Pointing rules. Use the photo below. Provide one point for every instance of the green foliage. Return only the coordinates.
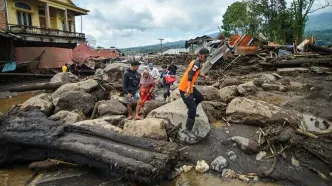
(271, 17)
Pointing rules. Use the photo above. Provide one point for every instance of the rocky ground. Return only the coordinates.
(263, 123)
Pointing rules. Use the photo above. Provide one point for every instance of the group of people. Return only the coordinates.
(141, 87)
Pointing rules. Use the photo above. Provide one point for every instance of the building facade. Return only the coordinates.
(38, 23)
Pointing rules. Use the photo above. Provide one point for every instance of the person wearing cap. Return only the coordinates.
(131, 80)
(189, 94)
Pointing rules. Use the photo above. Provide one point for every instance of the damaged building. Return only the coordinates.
(39, 33)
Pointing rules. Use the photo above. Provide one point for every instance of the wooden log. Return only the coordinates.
(138, 159)
(298, 62)
(320, 49)
(36, 86)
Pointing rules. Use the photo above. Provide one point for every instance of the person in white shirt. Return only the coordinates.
(154, 72)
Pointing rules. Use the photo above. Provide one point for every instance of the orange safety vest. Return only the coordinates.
(183, 85)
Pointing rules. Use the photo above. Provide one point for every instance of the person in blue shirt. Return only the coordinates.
(167, 86)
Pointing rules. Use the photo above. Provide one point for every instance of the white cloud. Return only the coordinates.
(137, 22)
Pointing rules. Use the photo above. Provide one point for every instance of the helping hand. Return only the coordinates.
(187, 93)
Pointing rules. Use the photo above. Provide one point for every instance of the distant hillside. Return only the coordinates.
(153, 48)
(321, 27)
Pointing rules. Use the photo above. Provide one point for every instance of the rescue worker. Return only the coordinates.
(189, 94)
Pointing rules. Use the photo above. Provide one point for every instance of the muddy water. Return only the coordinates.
(193, 178)
(15, 177)
(7, 103)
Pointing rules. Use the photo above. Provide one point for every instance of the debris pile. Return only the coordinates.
(177, 59)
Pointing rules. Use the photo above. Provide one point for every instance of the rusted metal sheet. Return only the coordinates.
(245, 50)
(245, 40)
(108, 53)
(52, 57)
(82, 52)
(234, 40)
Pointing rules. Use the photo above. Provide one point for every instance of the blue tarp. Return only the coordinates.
(11, 66)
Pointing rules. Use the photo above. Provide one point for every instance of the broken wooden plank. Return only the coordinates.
(300, 61)
(320, 49)
(37, 86)
(282, 71)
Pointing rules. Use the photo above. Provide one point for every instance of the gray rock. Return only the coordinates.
(246, 145)
(247, 88)
(275, 87)
(229, 82)
(73, 100)
(115, 71)
(295, 162)
(102, 124)
(210, 93)
(216, 109)
(42, 101)
(258, 82)
(260, 155)
(219, 164)
(153, 104)
(231, 155)
(113, 119)
(251, 112)
(84, 86)
(65, 77)
(111, 107)
(228, 174)
(67, 117)
(228, 93)
(100, 74)
(285, 81)
(268, 78)
(148, 128)
(176, 113)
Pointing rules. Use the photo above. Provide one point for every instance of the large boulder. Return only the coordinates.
(246, 111)
(229, 82)
(176, 113)
(64, 116)
(148, 128)
(115, 71)
(73, 100)
(64, 77)
(268, 78)
(153, 104)
(114, 119)
(228, 93)
(102, 124)
(210, 93)
(216, 109)
(42, 101)
(84, 86)
(111, 107)
(247, 88)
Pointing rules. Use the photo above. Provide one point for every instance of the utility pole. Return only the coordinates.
(161, 44)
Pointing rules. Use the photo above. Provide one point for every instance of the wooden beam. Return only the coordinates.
(66, 20)
(47, 15)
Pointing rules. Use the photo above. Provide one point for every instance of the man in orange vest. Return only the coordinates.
(190, 95)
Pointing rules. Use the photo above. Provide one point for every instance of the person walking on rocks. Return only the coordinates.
(189, 94)
(131, 79)
(166, 84)
(146, 92)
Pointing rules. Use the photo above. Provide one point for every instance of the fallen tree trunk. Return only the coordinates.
(320, 49)
(298, 62)
(37, 86)
(138, 159)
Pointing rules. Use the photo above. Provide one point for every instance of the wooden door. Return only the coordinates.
(42, 21)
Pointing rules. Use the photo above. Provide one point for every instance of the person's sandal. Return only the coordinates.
(130, 117)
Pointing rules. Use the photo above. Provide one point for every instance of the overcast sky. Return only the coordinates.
(141, 22)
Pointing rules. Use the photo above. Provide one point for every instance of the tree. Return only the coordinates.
(237, 20)
(301, 9)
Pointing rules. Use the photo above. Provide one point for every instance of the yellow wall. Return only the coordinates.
(34, 10)
(55, 13)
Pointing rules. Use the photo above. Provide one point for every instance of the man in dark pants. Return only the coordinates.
(190, 95)
(131, 79)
